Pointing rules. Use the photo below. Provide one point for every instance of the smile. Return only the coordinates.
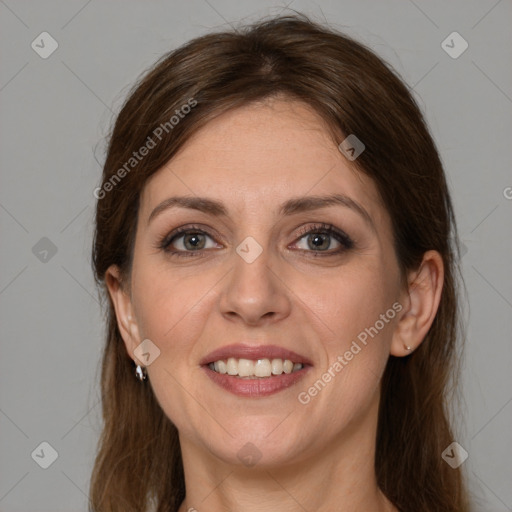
(261, 368)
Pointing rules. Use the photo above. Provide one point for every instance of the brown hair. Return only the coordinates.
(355, 92)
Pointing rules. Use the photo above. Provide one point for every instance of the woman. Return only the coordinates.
(274, 231)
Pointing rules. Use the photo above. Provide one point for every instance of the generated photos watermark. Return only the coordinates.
(143, 151)
(304, 397)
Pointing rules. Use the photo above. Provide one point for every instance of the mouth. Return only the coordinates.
(259, 369)
(251, 371)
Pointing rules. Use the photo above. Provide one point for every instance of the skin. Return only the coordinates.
(315, 456)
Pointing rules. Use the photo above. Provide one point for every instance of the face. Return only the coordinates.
(258, 265)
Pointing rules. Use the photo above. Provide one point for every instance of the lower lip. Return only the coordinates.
(258, 387)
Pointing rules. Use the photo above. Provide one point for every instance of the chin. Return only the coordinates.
(262, 444)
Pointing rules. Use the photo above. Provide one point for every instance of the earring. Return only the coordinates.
(140, 372)
(407, 348)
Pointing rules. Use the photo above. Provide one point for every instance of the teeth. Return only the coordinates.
(232, 366)
(221, 367)
(277, 366)
(260, 368)
(245, 368)
(287, 366)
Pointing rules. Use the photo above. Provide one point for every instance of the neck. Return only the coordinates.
(340, 478)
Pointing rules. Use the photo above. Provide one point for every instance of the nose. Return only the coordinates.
(254, 293)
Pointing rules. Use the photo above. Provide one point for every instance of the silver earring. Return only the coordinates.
(140, 372)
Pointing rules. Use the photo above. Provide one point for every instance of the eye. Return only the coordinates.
(324, 238)
(186, 241)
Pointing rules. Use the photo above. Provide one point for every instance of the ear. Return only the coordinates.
(124, 310)
(420, 302)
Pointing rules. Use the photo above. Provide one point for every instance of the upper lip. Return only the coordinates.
(244, 351)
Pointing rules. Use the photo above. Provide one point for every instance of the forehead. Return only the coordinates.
(259, 155)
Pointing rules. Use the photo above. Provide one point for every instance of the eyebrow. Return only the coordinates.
(290, 207)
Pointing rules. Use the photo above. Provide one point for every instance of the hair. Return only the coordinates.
(138, 463)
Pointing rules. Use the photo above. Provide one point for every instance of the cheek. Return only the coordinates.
(168, 308)
(349, 302)
(172, 313)
(357, 319)
(161, 296)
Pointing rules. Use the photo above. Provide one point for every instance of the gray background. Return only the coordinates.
(54, 115)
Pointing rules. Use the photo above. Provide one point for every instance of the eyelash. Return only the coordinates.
(326, 229)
